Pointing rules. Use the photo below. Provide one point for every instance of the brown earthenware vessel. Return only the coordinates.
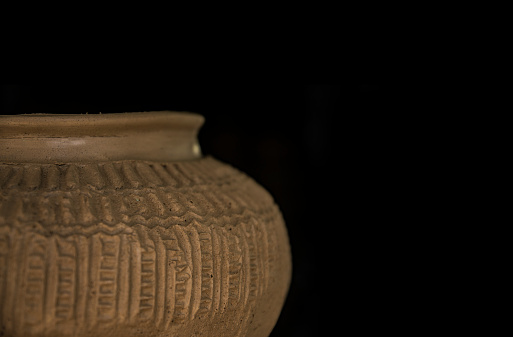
(116, 225)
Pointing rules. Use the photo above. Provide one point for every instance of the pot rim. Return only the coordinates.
(95, 125)
(151, 135)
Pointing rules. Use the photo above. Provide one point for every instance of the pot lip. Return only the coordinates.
(47, 138)
(101, 125)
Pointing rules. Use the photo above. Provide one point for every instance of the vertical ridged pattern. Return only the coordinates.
(35, 279)
(5, 173)
(216, 204)
(207, 171)
(71, 177)
(82, 275)
(172, 203)
(95, 246)
(196, 269)
(201, 205)
(108, 273)
(51, 284)
(21, 268)
(216, 266)
(229, 204)
(12, 210)
(65, 301)
(124, 279)
(273, 241)
(243, 326)
(207, 270)
(253, 259)
(188, 178)
(246, 285)
(52, 177)
(14, 178)
(258, 256)
(147, 275)
(225, 274)
(236, 275)
(184, 289)
(47, 210)
(199, 170)
(66, 266)
(147, 299)
(32, 177)
(146, 171)
(135, 279)
(160, 277)
(64, 214)
(170, 244)
(191, 172)
(106, 213)
(164, 175)
(264, 240)
(142, 254)
(112, 176)
(130, 175)
(92, 176)
(176, 174)
(169, 309)
(84, 215)
(166, 275)
(155, 204)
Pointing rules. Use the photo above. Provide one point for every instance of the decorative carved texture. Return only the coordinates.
(138, 248)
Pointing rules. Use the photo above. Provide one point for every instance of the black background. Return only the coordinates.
(337, 159)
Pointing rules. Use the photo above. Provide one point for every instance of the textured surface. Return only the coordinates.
(138, 248)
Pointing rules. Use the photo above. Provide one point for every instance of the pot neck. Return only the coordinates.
(49, 138)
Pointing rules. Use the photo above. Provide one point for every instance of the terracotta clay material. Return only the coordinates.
(116, 225)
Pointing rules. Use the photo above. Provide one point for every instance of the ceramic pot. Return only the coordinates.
(116, 225)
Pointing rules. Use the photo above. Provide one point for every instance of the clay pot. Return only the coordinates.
(116, 225)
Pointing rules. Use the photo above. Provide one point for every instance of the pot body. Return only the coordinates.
(138, 247)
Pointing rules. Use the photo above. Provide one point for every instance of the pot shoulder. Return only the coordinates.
(130, 247)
